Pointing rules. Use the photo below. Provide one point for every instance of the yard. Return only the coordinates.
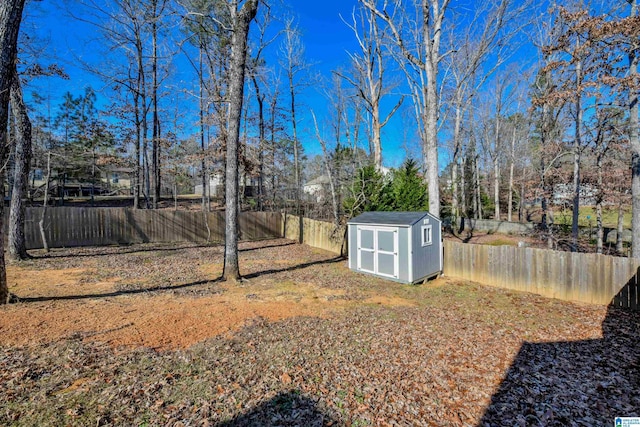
(145, 335)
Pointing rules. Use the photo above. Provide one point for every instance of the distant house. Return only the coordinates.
(249, 186)
(317, 188)
(117, 180)
(563, 194)
(216, 181)
(109, 180)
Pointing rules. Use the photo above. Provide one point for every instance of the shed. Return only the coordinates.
(401, 246)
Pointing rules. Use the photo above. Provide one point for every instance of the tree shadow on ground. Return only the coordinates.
(586, 382)
(267, 246)
(164, 288)
(285, 409)
(136, 291)
(333, 260)
(159, 247)
(126, 250)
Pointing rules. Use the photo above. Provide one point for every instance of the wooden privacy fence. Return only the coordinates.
(591, 278)
(69, 226)
(319, 234)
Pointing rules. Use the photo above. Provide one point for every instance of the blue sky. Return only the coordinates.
(328, 39)
(325, 36)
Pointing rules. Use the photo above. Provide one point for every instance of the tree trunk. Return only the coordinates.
(496, 163)
(17, 247)
(155, 141)
(142, 96)
(454, 169)
(521, 202)
(577, 144)
(296, 158)
(203, 160)
(634, 142)
(620, 228)
(136, 163)
(599, 227)
(10, 18)
(512, 164)
(496, 188)
(45, 204)
(430, 150)
(478, 188)
(242, 21)
(377, 138)
(463, 190)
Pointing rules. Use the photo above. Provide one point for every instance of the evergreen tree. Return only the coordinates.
(408, 190)
(370, 191)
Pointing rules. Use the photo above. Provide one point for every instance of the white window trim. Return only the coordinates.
(426, 239)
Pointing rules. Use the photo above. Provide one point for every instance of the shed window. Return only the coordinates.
(426, 235)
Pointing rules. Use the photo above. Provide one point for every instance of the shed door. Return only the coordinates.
(378, 250)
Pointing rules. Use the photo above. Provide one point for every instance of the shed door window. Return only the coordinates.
(366, 250)
(426, 235)
(378, 250)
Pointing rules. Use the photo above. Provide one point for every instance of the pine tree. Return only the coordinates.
(408, 189)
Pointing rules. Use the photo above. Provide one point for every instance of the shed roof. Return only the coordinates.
(390, 218)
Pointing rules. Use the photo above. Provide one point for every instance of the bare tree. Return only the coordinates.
(256, 70)
(293, 62)
(156, 12)
(369, 66)
(489, 41)
(10, 19)
(634, 140)
(17, 248)
(326, 161)
(241, 20)
(418, 39)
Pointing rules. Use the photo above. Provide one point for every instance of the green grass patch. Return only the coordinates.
(587, 217)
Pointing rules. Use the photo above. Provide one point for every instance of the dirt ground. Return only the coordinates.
(146, 335)
(96, 298)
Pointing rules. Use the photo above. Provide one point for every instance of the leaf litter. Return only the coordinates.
(144, 335)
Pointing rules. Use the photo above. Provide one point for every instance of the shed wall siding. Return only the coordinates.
(403, 255)
(426, 259)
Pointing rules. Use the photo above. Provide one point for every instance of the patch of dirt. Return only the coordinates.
(146, 335)
(124, 307)
(57, 283)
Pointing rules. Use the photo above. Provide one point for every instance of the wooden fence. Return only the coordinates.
(69, 226)
(591, 278)
(319, 234)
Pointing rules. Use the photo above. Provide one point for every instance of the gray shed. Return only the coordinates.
(401, 246)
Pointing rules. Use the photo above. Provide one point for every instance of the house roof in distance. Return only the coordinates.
(322, 179)
(390, 218)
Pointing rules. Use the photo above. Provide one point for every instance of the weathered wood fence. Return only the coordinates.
(72, 226)
(591, 278)
(319, 234)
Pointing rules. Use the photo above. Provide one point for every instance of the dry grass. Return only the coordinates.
(145, 336)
